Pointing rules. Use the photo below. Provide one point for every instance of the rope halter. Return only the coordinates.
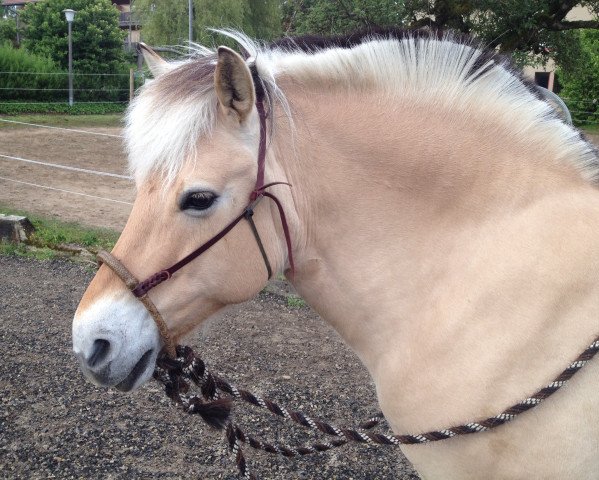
(141, 289)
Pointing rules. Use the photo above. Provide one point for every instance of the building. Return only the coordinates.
(16, 4)
(545, 75)
(128, 21)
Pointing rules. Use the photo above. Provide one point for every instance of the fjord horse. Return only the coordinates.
(442, 219)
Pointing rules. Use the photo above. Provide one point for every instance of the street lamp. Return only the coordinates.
(70, 15)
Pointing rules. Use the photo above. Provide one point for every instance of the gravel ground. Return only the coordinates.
(53, 424)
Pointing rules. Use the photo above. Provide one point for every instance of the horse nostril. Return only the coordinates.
(99, 351)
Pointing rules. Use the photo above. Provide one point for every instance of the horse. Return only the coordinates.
(437, 213)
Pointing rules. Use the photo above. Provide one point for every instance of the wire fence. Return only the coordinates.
(63, 190)
(584, 111)
(53, 87)
(32, 183)
(75, 130)
(37, 88)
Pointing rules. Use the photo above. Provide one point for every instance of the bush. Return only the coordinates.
(38, 78)
(76, 109)
(579, 76)
(27, 77)
(100, 66)
(8, 31)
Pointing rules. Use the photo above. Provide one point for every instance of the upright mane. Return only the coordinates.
(173, 111)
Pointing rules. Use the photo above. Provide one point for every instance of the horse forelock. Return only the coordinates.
(165, 122)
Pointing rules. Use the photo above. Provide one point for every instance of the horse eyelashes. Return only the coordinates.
(198, 201)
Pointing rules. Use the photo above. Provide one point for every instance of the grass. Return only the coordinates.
(63, 120)
(50, 234)
(293, 301)
(592, 129)
(22, 250)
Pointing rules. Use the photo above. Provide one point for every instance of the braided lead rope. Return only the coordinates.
(192, 367)
(237, 452)
(435, 435)
(169, 372)
(349, 435)
(177, 373)
(432, 436)
(285, 450)
(372, 421)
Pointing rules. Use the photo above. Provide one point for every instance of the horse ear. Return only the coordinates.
(233, 83)
(155, 62)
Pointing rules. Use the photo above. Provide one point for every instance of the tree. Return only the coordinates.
(8, 31)
(524, 25)
(97, 39)
(264, 19)
(97, 45)
(579, 75)
(341, 16)
(166, 22)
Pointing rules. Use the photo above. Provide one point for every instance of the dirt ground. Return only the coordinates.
(91, 152)
(54, 424)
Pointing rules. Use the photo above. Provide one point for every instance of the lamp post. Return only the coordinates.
(70, 15)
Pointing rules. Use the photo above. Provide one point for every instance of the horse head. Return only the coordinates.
(186, 195)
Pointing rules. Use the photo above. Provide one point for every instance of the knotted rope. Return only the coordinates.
(177, 374)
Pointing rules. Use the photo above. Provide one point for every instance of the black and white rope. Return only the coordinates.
(175, 375)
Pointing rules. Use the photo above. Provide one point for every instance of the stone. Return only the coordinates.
(14, 228)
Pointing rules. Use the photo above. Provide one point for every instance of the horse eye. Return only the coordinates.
(198, 201)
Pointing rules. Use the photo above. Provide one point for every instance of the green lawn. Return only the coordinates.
(592, 129)
(63, 120)
(50, 234)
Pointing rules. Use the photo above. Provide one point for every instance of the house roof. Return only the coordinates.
(17, 3)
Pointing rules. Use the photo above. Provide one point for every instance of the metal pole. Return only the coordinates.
(17, 19)
(190, 21)
(70, 67)
(131, 84)
(130, 18)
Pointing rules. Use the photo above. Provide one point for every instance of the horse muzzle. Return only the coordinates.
(116, 343)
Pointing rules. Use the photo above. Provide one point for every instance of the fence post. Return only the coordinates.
(131, 84)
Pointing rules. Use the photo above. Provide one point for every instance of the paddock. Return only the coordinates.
(33, 176)
(57, 425)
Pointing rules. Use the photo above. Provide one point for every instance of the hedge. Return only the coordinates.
(76, 109)
(26, 76)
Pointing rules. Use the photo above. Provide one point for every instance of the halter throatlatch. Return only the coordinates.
(141, 289)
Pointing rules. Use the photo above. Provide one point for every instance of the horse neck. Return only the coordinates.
(417, 228)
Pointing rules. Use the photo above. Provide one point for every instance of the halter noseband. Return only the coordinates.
(141, 289)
